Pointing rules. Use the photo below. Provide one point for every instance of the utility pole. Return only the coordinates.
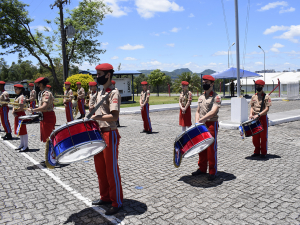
(59, 4)
(237, 48)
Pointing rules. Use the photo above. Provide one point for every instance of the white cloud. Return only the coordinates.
(175, 29)
(278, 45)
(155, 34)
(212, 64)
(287, 10)
(197, 55)
(293, 52)
(209, 24)
(274, 50)
(294, 31)
(153, 63)
(171, 45)
(259, 63)
(273, 29)
(191, 15)
(223, 53)
(273, 5)
(104, 44)
(286, 63)
(147, 9)
(130, 58)
(255, 53)
(41, 28)
(131, 47)
(114, 57)
(118, 11)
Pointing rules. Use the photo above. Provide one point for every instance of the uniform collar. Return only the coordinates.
(109, 88)
(262, 94)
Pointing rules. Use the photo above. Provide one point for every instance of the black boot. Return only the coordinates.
(8, 137)
(4, 136)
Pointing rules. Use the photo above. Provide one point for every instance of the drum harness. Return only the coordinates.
(262, 103)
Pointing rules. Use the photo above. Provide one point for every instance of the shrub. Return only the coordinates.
(83, 78)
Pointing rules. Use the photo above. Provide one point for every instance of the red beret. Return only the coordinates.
(31, 85)
(78, 83)
(48, 86)
(2, 82)
(104, 66)
(39, 79)
(93, 83)
(184, 83)
(18, 85)
(260, 82)
(208, 77)
(113, 82)
(67, 82)
(144, 82)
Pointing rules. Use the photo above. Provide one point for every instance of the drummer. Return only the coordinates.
(68, 101)
(185, 100)
(20, 129)
(45, 98)
(114, 85)
(144, 103)
(260, 104)
(93, 94)
(106, 162)
(81, 98)
(32, 96)
(209, 104)
(4, 97)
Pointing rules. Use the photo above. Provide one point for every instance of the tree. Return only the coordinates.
(193, 79)
(156, 78)
(16, 35)
(3, 70)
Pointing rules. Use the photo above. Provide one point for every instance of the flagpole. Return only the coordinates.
(237, 48)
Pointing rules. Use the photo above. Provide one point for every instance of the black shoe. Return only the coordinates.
(25, 150)
(198, 172)
(255, 155)
(100, 202)
(118, 124)
(19, 148)
(263, 156)
(43, 163)
(8, 137)
(113, 210)
(211, 177)
(144, 131)
(149, 132)
(4, 136)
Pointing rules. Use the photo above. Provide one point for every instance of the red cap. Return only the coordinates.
(93, 83)
(208, 77)
(260, 82)
(113, 82)
(2, 82)
(67, 82)
(39, 79)
(48, 86)
(185, 83)
(104, 66)
(144, 82)
(18, 85)
(78, 83)
(31, 85)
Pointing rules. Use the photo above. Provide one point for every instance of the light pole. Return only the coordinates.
(264, 64)
(228, 52)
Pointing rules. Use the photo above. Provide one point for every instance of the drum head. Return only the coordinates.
(29, 117)
(199, 147)
(81, 152)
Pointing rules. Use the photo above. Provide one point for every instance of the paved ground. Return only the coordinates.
(246, 191)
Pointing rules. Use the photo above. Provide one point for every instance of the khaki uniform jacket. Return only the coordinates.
(93, 96)
(46, 96)
(206, 104)
(112, 103)
(184, 99)
(32, 95)
(256, 102)
(4, 96)
(144, 96)
(69, 93)
(80, 93)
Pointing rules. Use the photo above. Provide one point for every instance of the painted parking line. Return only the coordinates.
(85, 200)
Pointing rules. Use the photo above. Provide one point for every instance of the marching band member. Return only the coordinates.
(48, 87)
(20, 129)
(106, 162)
(4, 97)
(144, 103)
(68, 102)
(93, 94)
(45, 98)
(260, 104)
(32, 96)
(209, 104)
(81, 97)
(114, 85)
(185, 100)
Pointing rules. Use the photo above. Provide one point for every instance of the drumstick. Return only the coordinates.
(98, 105)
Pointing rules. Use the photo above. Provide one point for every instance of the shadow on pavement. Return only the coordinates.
(32, 150)
(121, 126)
(201, 180)
(34, 167)
(89, 216)
(268, 156)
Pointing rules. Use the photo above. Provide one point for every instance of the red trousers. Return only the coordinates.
(107, 168)
(23, 129)
(32, 105)
(185, 120)
(4, 118)
(260, 141)
(210, 154)
(69, 112)
(47, 125)
(146, 118)
(81, 106)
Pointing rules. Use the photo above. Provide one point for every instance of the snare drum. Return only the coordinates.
(252, 127)
(29, 117)
(192, 141)
(75, 141)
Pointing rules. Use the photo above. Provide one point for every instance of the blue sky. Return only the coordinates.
(172, 34)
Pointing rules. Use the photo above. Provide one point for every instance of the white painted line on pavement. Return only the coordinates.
(85, 200)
